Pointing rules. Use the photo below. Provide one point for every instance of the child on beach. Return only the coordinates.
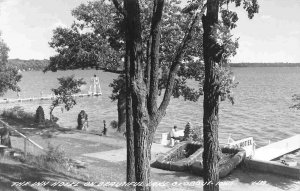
(104, 128)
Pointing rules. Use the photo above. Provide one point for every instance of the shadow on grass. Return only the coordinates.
(10, 173)
(240, 174)
(252, 177)
(163, 175)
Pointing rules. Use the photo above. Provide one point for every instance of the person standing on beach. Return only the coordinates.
(104, 128)
(173, 135)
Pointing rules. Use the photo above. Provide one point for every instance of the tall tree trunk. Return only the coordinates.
(211, 100)
(138, 93)
(122, 110)
(129, 125)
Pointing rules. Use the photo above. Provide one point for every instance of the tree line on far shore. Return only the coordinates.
(28, 65)
(271, 64)
(39, 65)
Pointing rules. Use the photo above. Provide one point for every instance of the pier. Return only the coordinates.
(263, 158)
(49, 97)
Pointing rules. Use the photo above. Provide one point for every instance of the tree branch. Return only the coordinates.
(148, 64)
(119, 7)
(155, 34)
(176, 61)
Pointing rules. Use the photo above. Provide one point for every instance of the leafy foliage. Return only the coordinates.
(18, 113)
(296, 98)
(54, 159)
(114, 124)
(91, 41)
(64, 93)
(97, 39)
(3, 52)
(28, 65)
(117, 85)
(9, 77)
(39, 115)
(226, 45)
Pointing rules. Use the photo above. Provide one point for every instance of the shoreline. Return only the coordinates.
(105, 154)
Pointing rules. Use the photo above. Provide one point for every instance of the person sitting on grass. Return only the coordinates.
(5, 137)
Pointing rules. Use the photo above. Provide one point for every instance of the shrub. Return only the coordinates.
(197, 134)
(114, 124)
(54, 159)
(40, 115)
(188, 132)
(18, 113)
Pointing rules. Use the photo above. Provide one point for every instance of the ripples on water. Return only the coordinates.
(261, 109)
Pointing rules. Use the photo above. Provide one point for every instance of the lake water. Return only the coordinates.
(261, 109)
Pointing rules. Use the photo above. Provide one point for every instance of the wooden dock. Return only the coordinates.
(49, 97)
(262, 159)
(277, 149)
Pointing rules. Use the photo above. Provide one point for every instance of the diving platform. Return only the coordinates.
(49, 97)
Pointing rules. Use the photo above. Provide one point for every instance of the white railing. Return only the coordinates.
(26, 139)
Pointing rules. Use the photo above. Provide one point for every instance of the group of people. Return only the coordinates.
(83, 122)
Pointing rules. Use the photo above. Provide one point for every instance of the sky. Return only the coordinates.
(273, 35)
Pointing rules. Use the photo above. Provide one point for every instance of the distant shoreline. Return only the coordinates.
(39, 65)
(280, 64)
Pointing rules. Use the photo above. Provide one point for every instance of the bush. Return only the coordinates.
(54, 159)
(188, 132)
(197, 134)
(114, 124)
(40, 116)
(18, 113)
